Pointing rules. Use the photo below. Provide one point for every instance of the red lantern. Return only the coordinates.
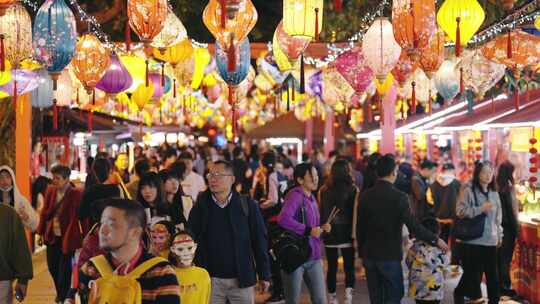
(534, 162)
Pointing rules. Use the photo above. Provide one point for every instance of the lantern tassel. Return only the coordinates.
(316, 24)
(55, 115)
(174, 88)
(302, 75)
(430, 103)
(293, 90)
(77, 98)
(146, 74)
(369, 112)
(2, 54)
(338, 5)
(231, 96)
(517, 102)
(163, 75)
(234, 126)
(413, 97)
(223, 4)
(93, 97)
(509, 45)
(458, 37)
(461, 82)
(231, 53)
(288, 96)
(275, 105)
(15, 95)
(127, 33)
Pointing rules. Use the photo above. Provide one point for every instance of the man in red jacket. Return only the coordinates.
(60, 228)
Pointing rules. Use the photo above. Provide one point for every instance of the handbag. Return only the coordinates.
(467, 229)
(292, 250)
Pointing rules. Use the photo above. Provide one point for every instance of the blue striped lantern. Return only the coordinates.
(55, 36)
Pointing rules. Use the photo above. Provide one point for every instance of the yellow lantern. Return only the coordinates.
(303, 17)
(142, 95)
(384, 86)
(537, 23)
(136, 67)
(175, 53)
(16, 26)
(460, 20)
(172, 33)
(202, 59)
(281, 58)
(90, 62)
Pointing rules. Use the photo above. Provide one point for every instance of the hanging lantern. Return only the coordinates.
(55, 36)
(42, 97)
(386, 85)
(520, 51)
(175, 53)
(116, 79)
(446, 80)
(136, 66)
(142, 95)
(380, 48)
(147, 18)
(64, 95)
(533, 178)
(90, 62)
(403, 69)
(22, 82)
(16, 26)
(335, 87)
(243, 63)
(5, 5)
(460, 20)
(353, 67)
(303, 18)
(479, 73)
(160, 87)
(202, 59)
(432, 57)
(413, 23)
(173, 32)
(292, 46)
(537, 23)
(282, 61)
(423, 88)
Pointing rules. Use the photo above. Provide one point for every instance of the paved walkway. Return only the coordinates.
(41, 289)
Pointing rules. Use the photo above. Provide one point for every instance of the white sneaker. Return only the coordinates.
(348, 295)
(332, 299)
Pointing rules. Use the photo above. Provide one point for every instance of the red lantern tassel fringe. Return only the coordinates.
(509, 45)
(146, 72)
(15, 95)
(93, 97)
(223, 4)
(302, 75)
(461, 82)
(2, 54)
(231, 53)
(458, 37)
(316, 24)
(55, 115)
(338, 5)
(231, 96)
(174, 88)
(127, 33)
(293, 89)
(163, 75)
(413, 97)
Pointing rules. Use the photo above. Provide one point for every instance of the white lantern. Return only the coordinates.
(447, 80)
(380, 48)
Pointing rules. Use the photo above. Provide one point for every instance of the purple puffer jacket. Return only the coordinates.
(290, 217)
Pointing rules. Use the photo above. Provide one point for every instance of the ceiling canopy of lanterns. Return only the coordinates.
(431, 55)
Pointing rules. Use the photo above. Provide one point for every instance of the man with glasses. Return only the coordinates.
(231, 237)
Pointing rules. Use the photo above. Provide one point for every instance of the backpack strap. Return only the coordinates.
(144, 267)
(102, 265)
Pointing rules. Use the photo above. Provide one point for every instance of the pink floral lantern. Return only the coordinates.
(353, 67)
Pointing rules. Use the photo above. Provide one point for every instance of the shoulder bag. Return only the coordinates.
(467, 229)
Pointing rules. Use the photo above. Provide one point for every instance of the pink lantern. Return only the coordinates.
(335, 87)
(380, 48)
(353, 67)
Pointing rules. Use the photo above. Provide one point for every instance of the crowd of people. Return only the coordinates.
(208, 225)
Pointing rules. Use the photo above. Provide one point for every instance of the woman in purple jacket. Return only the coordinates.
(306, 180)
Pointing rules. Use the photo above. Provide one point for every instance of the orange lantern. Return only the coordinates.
(414, 24)
(516, 49)
(432, 57)
(230, 32)
(403, 69)
(5, 4)
(90, 62)
(147, 18)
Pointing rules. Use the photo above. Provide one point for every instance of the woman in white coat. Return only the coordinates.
(10, 195)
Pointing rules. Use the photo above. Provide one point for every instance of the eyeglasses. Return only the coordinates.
(216, 175)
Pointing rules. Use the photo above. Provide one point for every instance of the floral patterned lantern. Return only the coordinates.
(414, 24)
(173, 32)
(335, 87)
(516, 50)
(6, 4)
(460, 20)
(64, 94)
(403, 69)
(479, 73)
(42, 97)
(282, 61)
(147, 18)
(242, 68)
(90, 62)
(303, 18)
(55, 36)
(446, 80)
(380, 48)
(16, 26)
(432, 57)
(175, 53)
(419, 88)
(292, 46)
(353, 67)
(116, 79)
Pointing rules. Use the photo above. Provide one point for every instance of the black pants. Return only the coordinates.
(277, 282)
(505, 255)
(348, 265)
(447, 236)
(60, 269)
(477, 261)
(427, 302)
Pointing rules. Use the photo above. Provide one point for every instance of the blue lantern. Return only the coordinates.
(447, 80)
(42, 97)
(55, 36)
(243, 60)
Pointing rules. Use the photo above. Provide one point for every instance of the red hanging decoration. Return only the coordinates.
(231, 54)
(223, 5)
(93, 97)
(55, 115)
(174, 88)
(413, 103)
(458, 37)
(302, 75)
(146, 79)
(461, 82)
(163, 75)
(338, 5)
(2, 53)
(15, 94)
(77, 98)
(534, 163)
(316, 24)
(127, 33)
(509, 45)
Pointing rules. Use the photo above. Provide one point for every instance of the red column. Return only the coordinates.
(329, 140)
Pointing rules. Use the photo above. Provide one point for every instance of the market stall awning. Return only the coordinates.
(286, 125)
(526, 116)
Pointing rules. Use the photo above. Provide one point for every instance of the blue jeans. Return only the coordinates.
(385, 281)
(312, 274)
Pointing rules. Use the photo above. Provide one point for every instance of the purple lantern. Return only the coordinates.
(352, 66)
(160, 84)
(116, 79)
(315, 85)
(26, 82)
